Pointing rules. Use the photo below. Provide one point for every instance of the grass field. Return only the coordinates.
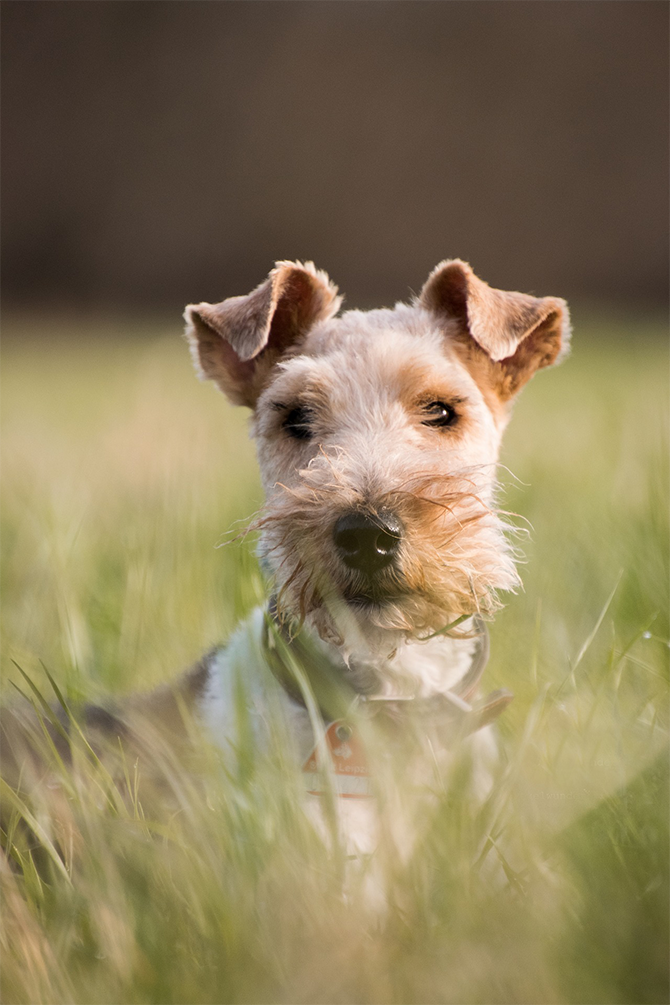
(121, 474)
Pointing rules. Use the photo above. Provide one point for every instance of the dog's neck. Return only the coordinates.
(415, 669)
(433, 684)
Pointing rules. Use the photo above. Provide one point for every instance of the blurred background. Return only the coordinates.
(158, 153)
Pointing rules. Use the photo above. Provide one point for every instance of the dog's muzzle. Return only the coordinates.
(367, 542)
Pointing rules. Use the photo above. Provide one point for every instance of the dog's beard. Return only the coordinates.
(452, 560)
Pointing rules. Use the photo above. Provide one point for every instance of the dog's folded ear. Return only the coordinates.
(236, 342)
(518, 333)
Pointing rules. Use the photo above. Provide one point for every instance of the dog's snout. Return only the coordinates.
(367, 542)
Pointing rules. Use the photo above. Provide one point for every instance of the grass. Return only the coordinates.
(120, 477)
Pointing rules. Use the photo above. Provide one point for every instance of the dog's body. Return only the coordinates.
(378, 436)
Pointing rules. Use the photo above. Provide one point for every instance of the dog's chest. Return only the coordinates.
(244, 703)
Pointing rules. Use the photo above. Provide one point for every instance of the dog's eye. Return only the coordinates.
(439, 414)
(297, 423)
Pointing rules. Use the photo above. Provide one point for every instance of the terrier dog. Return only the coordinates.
(378, 435)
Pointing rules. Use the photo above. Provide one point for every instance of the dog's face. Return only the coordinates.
(378, 435)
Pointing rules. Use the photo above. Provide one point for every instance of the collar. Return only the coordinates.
(302, 668)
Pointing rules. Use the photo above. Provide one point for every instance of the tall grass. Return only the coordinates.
(121, 475)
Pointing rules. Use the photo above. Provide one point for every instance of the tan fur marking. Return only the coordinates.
(485, 373)
(236, 342)
(518, 333)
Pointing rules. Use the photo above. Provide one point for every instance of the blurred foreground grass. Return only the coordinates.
(120, 476)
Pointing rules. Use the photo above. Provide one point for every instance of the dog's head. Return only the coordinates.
(378, 435)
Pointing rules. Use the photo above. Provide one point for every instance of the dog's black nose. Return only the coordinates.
(367, 542)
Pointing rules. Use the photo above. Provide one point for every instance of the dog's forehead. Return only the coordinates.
(353, 330)
(385, 350)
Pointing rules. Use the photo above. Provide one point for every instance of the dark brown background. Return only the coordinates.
(159, 152)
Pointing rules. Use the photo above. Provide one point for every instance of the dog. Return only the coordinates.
(378, 436)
